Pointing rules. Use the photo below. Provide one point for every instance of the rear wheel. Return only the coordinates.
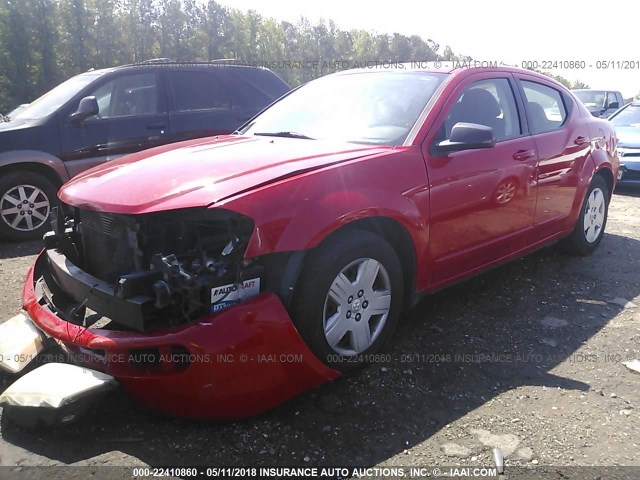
(26, 200)
(592, 220)
(349, 298)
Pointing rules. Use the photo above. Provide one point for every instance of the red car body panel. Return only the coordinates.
(299, 191)
(244, 360)
(219, 167)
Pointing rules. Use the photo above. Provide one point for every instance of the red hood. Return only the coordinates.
(200, 172)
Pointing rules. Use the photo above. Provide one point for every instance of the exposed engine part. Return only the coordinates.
(163, 294)
(169, 263)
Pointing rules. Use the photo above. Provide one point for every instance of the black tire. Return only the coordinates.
(312, 301)
(9, 187)
(577, 243)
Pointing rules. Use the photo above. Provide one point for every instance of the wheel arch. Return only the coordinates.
(394, 233)
(285, 268)
(607, 174)
(595, 165)
(33, 161)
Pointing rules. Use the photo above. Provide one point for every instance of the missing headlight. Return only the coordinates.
(178, 265)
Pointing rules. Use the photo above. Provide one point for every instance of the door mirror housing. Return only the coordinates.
(467, 136)
(615, 105)
(88, 107)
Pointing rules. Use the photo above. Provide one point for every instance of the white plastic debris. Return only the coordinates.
(633, 365)
(498, 458)
(20, 342)
(55, 385)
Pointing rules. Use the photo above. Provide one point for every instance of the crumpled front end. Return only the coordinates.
(167, 305)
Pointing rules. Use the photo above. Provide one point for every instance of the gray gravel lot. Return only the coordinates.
(527, 357)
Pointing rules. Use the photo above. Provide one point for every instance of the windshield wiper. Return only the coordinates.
(284, 134)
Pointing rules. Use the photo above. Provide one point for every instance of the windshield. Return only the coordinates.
(591, 98)
(627, 117)
(54, 99)
(372, 107)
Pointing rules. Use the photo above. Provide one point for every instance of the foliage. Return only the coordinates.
(43, 42)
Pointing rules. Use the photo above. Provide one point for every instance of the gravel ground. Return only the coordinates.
(527, 357)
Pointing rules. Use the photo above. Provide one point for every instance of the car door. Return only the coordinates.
(482, 201)
(132, 117)
(563, 144)
(201, 105)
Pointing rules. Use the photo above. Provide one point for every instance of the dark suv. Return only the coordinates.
(101, 115)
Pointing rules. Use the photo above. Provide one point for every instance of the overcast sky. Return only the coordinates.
(502, 30)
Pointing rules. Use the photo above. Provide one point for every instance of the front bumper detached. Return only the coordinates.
(238, 362)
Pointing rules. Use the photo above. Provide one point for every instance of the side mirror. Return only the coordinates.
(88, 107)
(467, 136)
(615, 105)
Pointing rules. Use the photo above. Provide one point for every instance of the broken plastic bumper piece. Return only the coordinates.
(55, 393)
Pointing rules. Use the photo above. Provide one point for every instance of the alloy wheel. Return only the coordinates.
(25, 208)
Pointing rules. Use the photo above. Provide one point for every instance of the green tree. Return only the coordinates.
(43, 42)
(108, 34)
(17, 45)
(401, 50)
(77, 35)
(382, 50)
(421, 51)
(215, 18)
(578, 84)
(141, 20)
(560, 79)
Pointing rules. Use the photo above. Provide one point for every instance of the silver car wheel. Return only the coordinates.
(594, 215)
(357, 306)
(25, 208)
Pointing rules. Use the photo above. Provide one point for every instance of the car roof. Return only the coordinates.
(168, 65)
(446, 69)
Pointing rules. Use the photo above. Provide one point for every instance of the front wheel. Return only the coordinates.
(26, 200)
(592, 220)
(349, 298)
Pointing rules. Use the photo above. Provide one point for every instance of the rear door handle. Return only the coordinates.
(581, 140)
(524, 154)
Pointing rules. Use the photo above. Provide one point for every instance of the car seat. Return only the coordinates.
(478, 106)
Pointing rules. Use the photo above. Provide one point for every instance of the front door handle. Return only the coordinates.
(524, 155)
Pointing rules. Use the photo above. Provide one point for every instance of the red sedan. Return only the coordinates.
(221, 276)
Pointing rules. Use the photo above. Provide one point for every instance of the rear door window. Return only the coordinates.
(545, 109)
(193, 91)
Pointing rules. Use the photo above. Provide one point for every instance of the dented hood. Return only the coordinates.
(201, 172)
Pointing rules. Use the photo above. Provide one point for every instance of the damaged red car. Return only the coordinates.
(218, 277)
